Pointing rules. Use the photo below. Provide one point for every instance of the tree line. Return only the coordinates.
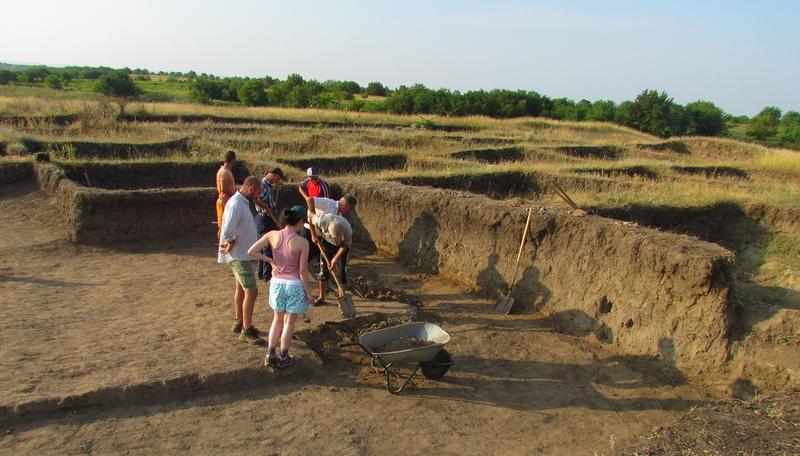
(651, 111)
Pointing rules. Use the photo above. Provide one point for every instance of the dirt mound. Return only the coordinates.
(722, 149)
(770, 425)
(325, 339)
(491, 155)
(349, 164)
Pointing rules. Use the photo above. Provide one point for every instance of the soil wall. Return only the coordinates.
(143, 175)
(505, 184)
(99, 216)
(349, 164)
(642, 292)
(11, 172)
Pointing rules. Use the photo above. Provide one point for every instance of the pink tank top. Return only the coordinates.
(283, 255)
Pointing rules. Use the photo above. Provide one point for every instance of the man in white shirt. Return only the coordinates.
(237, 234)
(332, 232)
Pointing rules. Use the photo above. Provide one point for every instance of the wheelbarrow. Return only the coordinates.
(433, 359)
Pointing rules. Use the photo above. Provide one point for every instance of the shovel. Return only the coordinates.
(505, 303)
(345, 301)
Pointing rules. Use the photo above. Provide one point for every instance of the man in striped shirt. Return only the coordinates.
(314, 186)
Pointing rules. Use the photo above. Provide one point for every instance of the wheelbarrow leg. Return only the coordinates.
(388, 376)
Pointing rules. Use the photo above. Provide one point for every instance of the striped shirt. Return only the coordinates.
(320, 188)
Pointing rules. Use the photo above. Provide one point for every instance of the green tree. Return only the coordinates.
(376, 89)
(116, 84)
(656, 113)
(704, 118)
(7, 76)
(54, 81)
(602, 110)
(253, 93)
(765, 124)
(789, 129)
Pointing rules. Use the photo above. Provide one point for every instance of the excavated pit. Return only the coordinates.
(507, 184)
(712, 171)
(637, 291)
(349, 164)
(107, 150)
(491, 155)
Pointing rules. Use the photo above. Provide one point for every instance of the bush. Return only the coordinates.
(253, 93)
(657, 114)
(765, 124)
(376, 89)
(116, 84)
(789, 129)
(54, 81)
(7, 76)
(704, 118)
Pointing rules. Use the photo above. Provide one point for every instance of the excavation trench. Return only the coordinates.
(637, 291)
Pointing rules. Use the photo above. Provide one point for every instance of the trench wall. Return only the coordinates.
(99, 216)
(641, 292)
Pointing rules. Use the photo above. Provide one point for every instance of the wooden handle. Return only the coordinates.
(521, 246)
(333, 273)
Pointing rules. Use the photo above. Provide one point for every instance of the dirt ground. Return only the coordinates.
(128, 350)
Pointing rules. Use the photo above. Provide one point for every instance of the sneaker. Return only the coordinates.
(250, 336)
(237, 326)
(270, 361)
(284, 362)
(319, 302)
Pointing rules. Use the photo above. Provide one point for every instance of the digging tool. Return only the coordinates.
(505, 303)
(560, 192)
(345, 301)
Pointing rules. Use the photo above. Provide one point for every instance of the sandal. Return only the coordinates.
(270, 361)
(319, 302)
(284, 362)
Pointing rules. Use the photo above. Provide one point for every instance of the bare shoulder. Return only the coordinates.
(298, 243)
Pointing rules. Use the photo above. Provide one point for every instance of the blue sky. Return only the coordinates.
(740, 55)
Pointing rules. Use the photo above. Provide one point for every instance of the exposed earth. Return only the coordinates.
(127, 349)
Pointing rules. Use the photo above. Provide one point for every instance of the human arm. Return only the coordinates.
(255, 252)
(342, 250)
(302, 189)
(304, 272)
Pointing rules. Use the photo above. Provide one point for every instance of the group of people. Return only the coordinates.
(259, 241)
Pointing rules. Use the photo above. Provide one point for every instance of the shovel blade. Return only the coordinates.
(346, 305)
(504, 305)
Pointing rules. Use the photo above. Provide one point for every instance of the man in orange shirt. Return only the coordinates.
(226, 186)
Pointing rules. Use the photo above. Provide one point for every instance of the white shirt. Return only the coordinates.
(237, 224)
(322, 224)
(326, 206)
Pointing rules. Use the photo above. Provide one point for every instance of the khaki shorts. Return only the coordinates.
(245, 273)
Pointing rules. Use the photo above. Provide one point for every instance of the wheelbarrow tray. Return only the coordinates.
(424, 331)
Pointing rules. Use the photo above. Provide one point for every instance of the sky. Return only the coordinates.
(741, 55)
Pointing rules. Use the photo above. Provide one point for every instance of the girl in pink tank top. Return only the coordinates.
(289, 293)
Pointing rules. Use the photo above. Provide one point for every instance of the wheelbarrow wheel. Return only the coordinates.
(438, 366)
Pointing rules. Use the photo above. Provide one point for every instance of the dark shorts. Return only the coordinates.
(330, 251)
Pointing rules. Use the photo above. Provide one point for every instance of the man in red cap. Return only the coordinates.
(314, 186)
